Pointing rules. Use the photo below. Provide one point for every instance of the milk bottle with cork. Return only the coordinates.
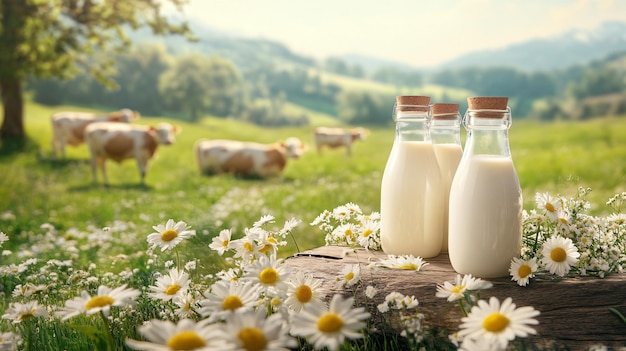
(445, 132)
(485, 224)
(411, 205)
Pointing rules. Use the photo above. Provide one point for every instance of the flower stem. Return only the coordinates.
(109, 339)
(462, 307)
(177, 259)
(294, 241)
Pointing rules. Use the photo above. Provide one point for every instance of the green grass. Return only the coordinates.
(556, 158)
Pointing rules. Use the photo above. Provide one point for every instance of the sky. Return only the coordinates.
(421, 33)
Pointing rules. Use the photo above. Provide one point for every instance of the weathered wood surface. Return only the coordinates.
(574, 311)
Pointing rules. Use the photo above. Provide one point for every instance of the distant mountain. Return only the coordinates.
(370, 63)
(574, 47)
(243, 52)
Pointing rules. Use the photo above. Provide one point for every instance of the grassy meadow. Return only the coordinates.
(554, 157)
(50, 209)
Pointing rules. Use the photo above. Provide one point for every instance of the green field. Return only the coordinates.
(47, 205)
(555, 157)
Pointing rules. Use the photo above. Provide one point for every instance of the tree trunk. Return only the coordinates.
(13, 106)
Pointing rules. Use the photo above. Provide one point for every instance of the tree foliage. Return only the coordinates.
(58, 38)
(197, 84)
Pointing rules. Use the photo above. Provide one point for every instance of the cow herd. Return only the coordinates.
(113, 136)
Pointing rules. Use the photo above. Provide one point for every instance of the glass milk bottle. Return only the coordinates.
(411, 205)
(445, 132)
(485, 226)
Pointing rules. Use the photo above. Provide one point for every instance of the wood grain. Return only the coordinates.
(574, 310)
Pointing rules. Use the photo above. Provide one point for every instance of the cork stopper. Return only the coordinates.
(493, 104)
(412, 103)
(445, 111)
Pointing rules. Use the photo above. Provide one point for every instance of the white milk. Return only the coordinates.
(485, 216)
(411, 205)
(448, 158)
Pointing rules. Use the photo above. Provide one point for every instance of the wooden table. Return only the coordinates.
(574, 310)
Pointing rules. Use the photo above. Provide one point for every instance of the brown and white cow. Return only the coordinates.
(246, 158)
(69, 127)
(338, 137)
(120, 141)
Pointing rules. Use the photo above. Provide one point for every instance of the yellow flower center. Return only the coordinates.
(304, 293)
(495, 322)
(272, 240)
(550, 207)
(27, 315)
(329, 323)
(349, 276)
(457, 289)
(232, 302)
(268, 276)
(252, 339)
(410, 266)
(186, 340)
(68, 236)
(225, 243)
(558, 254)
(524, 271)
(563, 220)
(348, 232)
(99, 301)
(169, 235)
(248, 247)
(367, 232)
(172, 289)
(265, 249)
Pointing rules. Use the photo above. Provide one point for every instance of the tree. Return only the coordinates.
(198, 84)
(57, 38)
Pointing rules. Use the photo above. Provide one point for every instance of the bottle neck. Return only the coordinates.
(445, 131)
(486, 134)
(412, 126)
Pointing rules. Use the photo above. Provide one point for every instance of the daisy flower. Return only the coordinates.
(263, 220)
(342, 213)
(185, 304)
(169, 235)
(221, 243)
(499, 323)
(9, 341)
(3, 238)
(18, 312)
(101, 302)
(370, 291)
(548, 204)
(350, 275)
(226, 297)
(522, 270)
(369, 235)
(480, 345)
(186, 335)
(253, 331)
(559, 254)
(406, 262)
(170, 285)
(303, 291)
(454, 292)
(346, 232)
(269, 272)
(330, 326)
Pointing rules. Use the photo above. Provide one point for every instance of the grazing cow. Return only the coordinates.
(246, 158)
(120, 141)
(69, 127)
(338, 137)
